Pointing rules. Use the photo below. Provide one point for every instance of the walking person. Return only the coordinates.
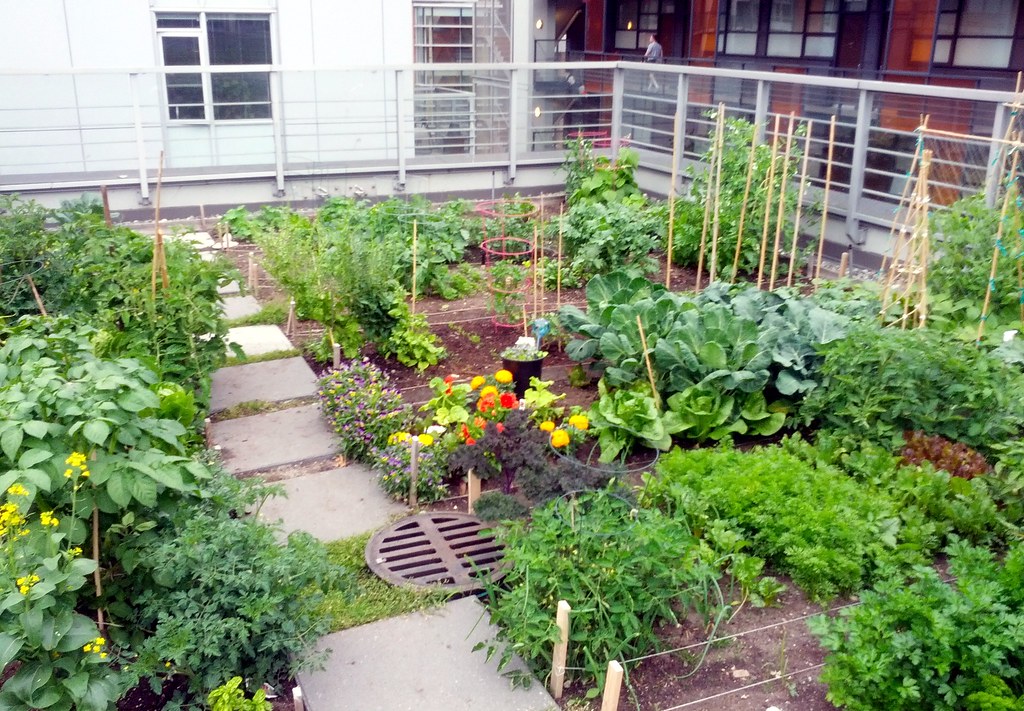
(656, 55)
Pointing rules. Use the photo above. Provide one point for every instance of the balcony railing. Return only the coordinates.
(79, 129)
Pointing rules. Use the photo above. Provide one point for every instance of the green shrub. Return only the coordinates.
(394, 462)
(830, 534)
(600, 237)
(879, 383)
(924, 643)
(499, 506)
(229, 697)
(363, 407)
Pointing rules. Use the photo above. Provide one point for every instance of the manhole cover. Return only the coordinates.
(442, 549)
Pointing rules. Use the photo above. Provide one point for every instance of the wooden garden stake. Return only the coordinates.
(647, 358)
(558, 273)
(336, 354)
(536, 255)
(561, 650)
(202, 217)
(297, 700)
(612, 687)
(824, 203)
(253, 280)
(781, 214)
(412, 308)
(896, 223)
(768, 202)
(707, 212)
(713, 268)
(472, 490)
(35, 295)
(106, 206)
(290, 325)
(844, 263)
(799, 204)
(159, 263)
(990, 287)
(743, 208)
(414, 471)
(97, 580)
(672, 203)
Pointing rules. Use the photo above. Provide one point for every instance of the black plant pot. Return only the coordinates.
(522, 371)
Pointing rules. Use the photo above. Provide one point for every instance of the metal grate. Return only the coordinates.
(455, 551)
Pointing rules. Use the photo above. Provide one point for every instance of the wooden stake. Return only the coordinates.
(903, 205)
(768, 202)
(844, 263)
(253, 277)
(97, 580)
(412, 308)
(743, 208)
(106, 206)
(561, 650)
(526, 322)
(824, 203)
(995, 250)
(336, 355)
(472, 490)
(202, 218)
(536, 254)
(558, 276)
(612, 687)
(35, 295)
(290, 326)
(647, 358)
(781, 215)
(707, 213)
(158, 240)
(799, 204)
(414, 471)
(297, 700)
(713, 270)
(672, 203)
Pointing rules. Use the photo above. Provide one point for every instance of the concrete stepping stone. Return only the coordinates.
(240, 306)
(229, 289)
(256, 340)
(200, 240)
(269, 381)
(419, 662)
(333, 504)
(294, 436)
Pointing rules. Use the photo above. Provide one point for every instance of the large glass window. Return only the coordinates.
(795, 28)
(637, 20)
(444, 98)
(976, 33)
(208, 42)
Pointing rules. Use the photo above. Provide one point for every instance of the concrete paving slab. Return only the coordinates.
(239, 306)
(229, 289)
(333, 504)
(274, 439)
(256, 340)
(419, 662)
(269, 381)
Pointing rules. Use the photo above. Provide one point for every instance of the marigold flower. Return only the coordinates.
(477, 382)
(580, 422)
(503, 376)
(507, 400)
(547, 426)
(426, 440)
(486, 403)
(559, 439)
(489, 390)
(398, 437)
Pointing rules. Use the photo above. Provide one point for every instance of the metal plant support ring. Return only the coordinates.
(499, 246)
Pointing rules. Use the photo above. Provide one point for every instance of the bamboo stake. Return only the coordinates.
(743, 208)
(780, 216)
(707, 214)
(472, 490)
(253, 276)
(612, 687)
(561, 650)
(925, 242)
(844, 263)
(768, 203)
(291, 324)
(995, 250)
(647, 359)
(335, 354)
(414, 470)
(202, 218)
(799, 204)
(106, 206)
(903, 204)
(824, 204)
(35, 295)
(672, 203)
(97, 580)
(412, 308)
(536, 254)
(713, 270)
(558, 274)
(158, 239)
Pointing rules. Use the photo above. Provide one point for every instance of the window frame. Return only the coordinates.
(206, 70)
(950, 39)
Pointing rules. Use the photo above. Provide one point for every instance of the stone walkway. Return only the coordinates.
(421, 662)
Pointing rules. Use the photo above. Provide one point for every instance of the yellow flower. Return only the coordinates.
(503, 376)
(426, 440)
(68, 473)
(103, 655)
(85, 473)
(559, 439)
(477, 382)
(87, 648)
(547, 426)
(75, 552)
(580, 422)
(398, 437)
(167, 664)
(48, 519)
(25, 584)
(77, 459)
(489, 390)
(17, 490)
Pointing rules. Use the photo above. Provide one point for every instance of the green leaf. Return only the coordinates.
(36, 428)
(9, 648)
(77, 685)
(33, 457)
(118, 488)
(96, 431)
(144, 490)
(10, 441)
(83, 630)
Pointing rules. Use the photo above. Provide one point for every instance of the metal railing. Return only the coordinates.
(82, 128)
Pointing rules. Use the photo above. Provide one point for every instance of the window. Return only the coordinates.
(795, 28)
(740, 20)
(443, 100)
(976, 33)
(637, 20)
(205, 43)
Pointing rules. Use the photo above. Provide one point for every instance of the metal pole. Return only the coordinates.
(993, 175)
(618, 93)
(513, 122)
(760, 112)
(140, 143)
(682, 107)
(277, 119)
(400, 124)
(858, 163)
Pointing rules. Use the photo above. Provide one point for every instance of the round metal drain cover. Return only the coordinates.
(436, 549)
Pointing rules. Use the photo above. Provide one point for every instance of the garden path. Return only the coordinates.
(423, 661)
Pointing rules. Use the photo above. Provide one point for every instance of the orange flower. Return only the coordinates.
(486, 403)
(465, 431)
(489, 390)
(507, 400)
(547, 426)
(500, 427)
(470, 441)
(477, 382)
(559, 439)
(503, 376)
(580, 422)
(449, 379)
(479, 422)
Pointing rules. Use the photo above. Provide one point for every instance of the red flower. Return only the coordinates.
(508, 400)
(448, 390)
(486, 403)
(465, 431)
(449, 380)
(470, 441)
(479, 422)
(500, 427)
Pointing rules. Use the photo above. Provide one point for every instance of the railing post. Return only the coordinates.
(994, 176)
(140, 143)
(760, 111)
(277, 120)
(618, 95)
(513, 122)
(857, 165)
(682, 108)
(400, 125)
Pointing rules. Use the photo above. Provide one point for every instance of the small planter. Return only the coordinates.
(522, 371)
